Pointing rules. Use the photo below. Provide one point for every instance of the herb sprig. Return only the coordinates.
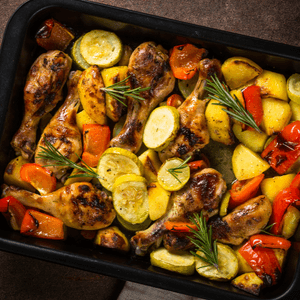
(120, 91)
(51, 153)
(221, 93)
(177, 170)
(203, 241)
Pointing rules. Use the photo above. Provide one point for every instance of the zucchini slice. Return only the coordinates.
(101, 48)
(161, 127)
(115, 162)
(77, 57)
(130, 198)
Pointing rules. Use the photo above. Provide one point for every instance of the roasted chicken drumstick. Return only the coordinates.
(148, 67)
(42, 91)
(193, 133)
(79, 205)
(62, 131)
(203, 192)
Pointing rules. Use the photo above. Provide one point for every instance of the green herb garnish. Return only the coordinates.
(202, 239)
(120, 91)
(176, 170)
(220, 92)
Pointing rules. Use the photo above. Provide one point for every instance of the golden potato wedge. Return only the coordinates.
(277, 115)
(151, 163)
(247, 164)
(158, 200)
(272, 85)
(270, 187)
(182, 263)
(218, 123)
(237, 71)
(114, 108)
(113, 238)
(290, 222)
(228, 264)
(248, 282)
(12, 174)
(91, 96)
(295, 107)
(83, 118)
(250, 138)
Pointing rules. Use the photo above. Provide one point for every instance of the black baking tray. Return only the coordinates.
(18, 52)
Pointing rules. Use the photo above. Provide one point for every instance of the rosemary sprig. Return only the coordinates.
(120, 91)
(221, 93)
(176, 170)
(267, 228)
(51, 153)
(202, 239)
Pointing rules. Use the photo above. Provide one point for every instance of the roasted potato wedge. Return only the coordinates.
(112, 237)
(228, 264)
(218, 123)
(91, 96)
(277, 115)
(247, 164)
(272, 85)
(295, 107)
(114, 108)
(83, 118)
(182, 263)
(12, 174)
(158, 199)
(237, 71)
(248, 282)
(270, 187)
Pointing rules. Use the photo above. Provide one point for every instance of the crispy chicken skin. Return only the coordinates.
(245, 220)
(43, 89)
(193, 132)
(79, 205)
(203, 192)
(62, 131)
(148, 67)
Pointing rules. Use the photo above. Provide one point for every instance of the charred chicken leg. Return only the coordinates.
(78, 205)
(203, 192)
(62, 131)
(42, 91)
(148, 67)
(193, 133)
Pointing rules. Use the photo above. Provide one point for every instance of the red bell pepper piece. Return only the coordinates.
(243, 190)
(197, 165)
(179, 226)
(39, 177)
(175, 100)
(263, 261)
(38, 224)
(13, 210)
(269, 241)
(184, 60)
(283, 200)
(253, 103)
(284, 150)
(96, 138)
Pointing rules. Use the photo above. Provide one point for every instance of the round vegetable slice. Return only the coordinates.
(183, 263)
(130, 198)
(161, 127)
(77, 57)
(134, 227)
(102, 48)
(293, 87)
(173, 174)
(115, 162)
(227, 261)
(187, 86)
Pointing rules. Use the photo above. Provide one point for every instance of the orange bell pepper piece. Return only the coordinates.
(243, 190)
(180, 226)
(175, 100)
(184, 60)
(39, 177)
(95, 141)
(41, 225)
(197, 165)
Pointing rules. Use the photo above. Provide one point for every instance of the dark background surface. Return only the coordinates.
(274, 20)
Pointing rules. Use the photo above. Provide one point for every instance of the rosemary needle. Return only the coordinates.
(202, 239)
(221, 93)
(51, 153)
(120, 91)
(176, 170)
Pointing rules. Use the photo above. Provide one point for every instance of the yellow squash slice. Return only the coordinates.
(293, 87)
(77, 57)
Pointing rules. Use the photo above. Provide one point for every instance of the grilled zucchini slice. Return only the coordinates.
(77, 57)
